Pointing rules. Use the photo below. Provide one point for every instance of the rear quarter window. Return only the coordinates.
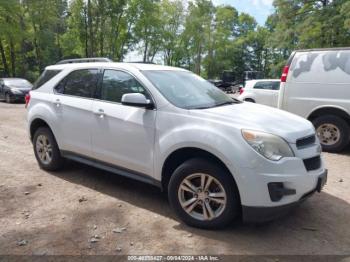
(45, 77)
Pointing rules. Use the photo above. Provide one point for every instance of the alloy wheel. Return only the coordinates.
(44, 149)
(202, 196)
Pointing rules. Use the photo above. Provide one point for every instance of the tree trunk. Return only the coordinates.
(86, 33)
(91, 38)
(197, 67)
(3, 58)
(13, 58)
(36, 47)
(115, 35)
(145, 52)
(121, 53)
(102, 37)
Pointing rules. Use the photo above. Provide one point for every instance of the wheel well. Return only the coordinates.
(179, 156)
(249, 99)
(35, 125)
(330, 111)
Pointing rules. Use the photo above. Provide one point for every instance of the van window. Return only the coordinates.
(79, 83)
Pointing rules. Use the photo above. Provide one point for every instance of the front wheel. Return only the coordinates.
(203, 194)
(8, 98)
(333, 132)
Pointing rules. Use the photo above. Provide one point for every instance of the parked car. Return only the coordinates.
(216, 157)
(316, 86)
(262, 91)
(14, 89)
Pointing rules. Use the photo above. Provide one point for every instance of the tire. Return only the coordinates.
(224, 214)
(333, 132)
(8, 98)
(249, 100)
(53, 163)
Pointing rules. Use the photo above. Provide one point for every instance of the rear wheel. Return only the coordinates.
(46, 150)
(333, 132)
(203, 194)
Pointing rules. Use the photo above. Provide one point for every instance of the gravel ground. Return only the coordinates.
(83, 210)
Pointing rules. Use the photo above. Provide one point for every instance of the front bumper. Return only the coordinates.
(17, 97)
(255, 214)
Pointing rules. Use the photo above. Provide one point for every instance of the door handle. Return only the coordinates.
(57, 103)
(100, 113)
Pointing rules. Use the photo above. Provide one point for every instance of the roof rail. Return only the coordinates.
(84, 60)
(140, 62)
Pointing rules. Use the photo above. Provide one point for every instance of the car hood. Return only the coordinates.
(22, 88)
(261, 118)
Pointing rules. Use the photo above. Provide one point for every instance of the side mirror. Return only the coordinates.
(137, 99)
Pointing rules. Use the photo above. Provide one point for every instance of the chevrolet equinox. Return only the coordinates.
(217, 158)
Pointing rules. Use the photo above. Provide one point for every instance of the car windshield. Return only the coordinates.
(187, 90)
(17, 82)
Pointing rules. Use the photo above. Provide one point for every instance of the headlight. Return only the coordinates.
(15, 91)
(270, 146)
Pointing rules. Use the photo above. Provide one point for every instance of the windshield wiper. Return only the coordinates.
(227, 103)
(234, 101)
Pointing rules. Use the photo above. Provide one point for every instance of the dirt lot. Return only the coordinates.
(44, 210)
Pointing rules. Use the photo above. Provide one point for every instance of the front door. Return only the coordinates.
(122, 135)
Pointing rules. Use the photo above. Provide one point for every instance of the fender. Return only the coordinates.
(44, 112)
(330, 107)
(211, 140)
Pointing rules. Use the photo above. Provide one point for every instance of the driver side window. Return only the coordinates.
(117, 83)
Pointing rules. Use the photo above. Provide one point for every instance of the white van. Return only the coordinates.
(315, 84)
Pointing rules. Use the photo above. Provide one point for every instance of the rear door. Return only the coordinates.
(123, 135)
(72, 102)
(264, 93)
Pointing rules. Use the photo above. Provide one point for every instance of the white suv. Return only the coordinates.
(218, 158)
(262, 91)
(316, 85)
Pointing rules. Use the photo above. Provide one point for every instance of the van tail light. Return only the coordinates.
(284, 74)
(27, 99)
(241, 90)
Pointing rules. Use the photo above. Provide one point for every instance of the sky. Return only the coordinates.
(259, 9)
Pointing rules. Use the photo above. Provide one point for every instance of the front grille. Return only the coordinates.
(306, 141)
(312, 163)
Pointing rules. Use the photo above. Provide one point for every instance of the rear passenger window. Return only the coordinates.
(117, 83)
(45, 77)
(79, 83)
(264, 85)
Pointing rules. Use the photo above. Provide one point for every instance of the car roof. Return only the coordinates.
(12, 78)
(139, 66)
(324, 49)
(258, 80)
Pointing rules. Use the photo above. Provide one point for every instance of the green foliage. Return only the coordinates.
(193, 34)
